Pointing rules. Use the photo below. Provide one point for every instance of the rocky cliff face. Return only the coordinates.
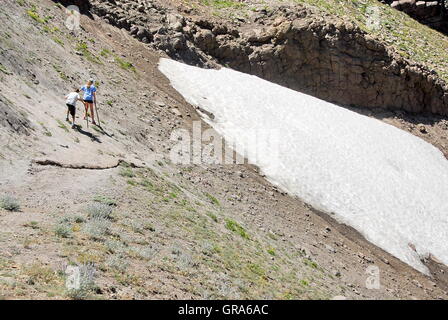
(290, 45)
(432, 13)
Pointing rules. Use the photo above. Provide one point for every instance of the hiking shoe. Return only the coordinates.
(73, 126)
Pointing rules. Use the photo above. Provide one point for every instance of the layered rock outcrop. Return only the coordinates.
(292, 46)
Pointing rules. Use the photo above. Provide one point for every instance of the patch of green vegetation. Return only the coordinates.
(213, 216)
(257, 269)
(48, 133)
(50, 29)
(32, 224)
(147, 184)
(310, 263)
(233, 226)
(58, 41)
(127, 172)
(62, 125)
(271, 251)
(9, 203)
(212, 199)
(83, 48)
(105, 53)
(172, 195)
(223, 4)
(61, 73)
(4, 70)
(126, 65)
(38, 274)
(97, 228)
(304, 283)
(98, 210)
(32, 12)
(129, 280)
(105, 200)
(63, 230)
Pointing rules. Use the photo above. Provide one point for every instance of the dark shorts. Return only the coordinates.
(88, 101)
(71, 109)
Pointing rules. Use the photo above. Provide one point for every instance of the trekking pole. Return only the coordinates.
(97, 114)
(86, 114)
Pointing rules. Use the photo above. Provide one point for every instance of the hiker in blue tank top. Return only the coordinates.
(89, 99)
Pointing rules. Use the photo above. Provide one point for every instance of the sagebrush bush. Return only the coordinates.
(117, 262)
(86, 282)
(115, 246)
(146, 253)
(9, 203)
(63, 230)
(97, 228)
(99, 210)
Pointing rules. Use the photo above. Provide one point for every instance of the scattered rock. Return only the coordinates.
(422, 128)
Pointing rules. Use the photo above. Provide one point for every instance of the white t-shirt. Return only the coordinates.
(72, 98)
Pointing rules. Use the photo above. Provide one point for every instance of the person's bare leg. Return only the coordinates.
(92, 114)
(86, 106)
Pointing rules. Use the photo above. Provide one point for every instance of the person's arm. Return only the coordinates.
(94, 97)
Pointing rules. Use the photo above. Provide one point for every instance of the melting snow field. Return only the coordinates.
(388, 184)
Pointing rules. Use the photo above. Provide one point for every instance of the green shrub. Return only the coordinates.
(212, 199)
(235, 227)
(127, 172)
(97, 228)
(63, 230)
(99, 211)
(105, 200)
(9, 203)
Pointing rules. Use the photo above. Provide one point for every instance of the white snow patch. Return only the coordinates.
(386, 183)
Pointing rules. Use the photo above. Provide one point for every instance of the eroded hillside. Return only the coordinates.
(111, 198)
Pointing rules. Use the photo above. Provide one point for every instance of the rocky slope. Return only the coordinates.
(110, 197)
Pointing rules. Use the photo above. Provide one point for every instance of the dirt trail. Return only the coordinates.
(191, 231)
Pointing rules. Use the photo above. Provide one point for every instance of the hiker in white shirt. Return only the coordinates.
(71, 100)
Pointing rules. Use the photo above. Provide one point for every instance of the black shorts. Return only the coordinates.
(88, 101)
(71, 109)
